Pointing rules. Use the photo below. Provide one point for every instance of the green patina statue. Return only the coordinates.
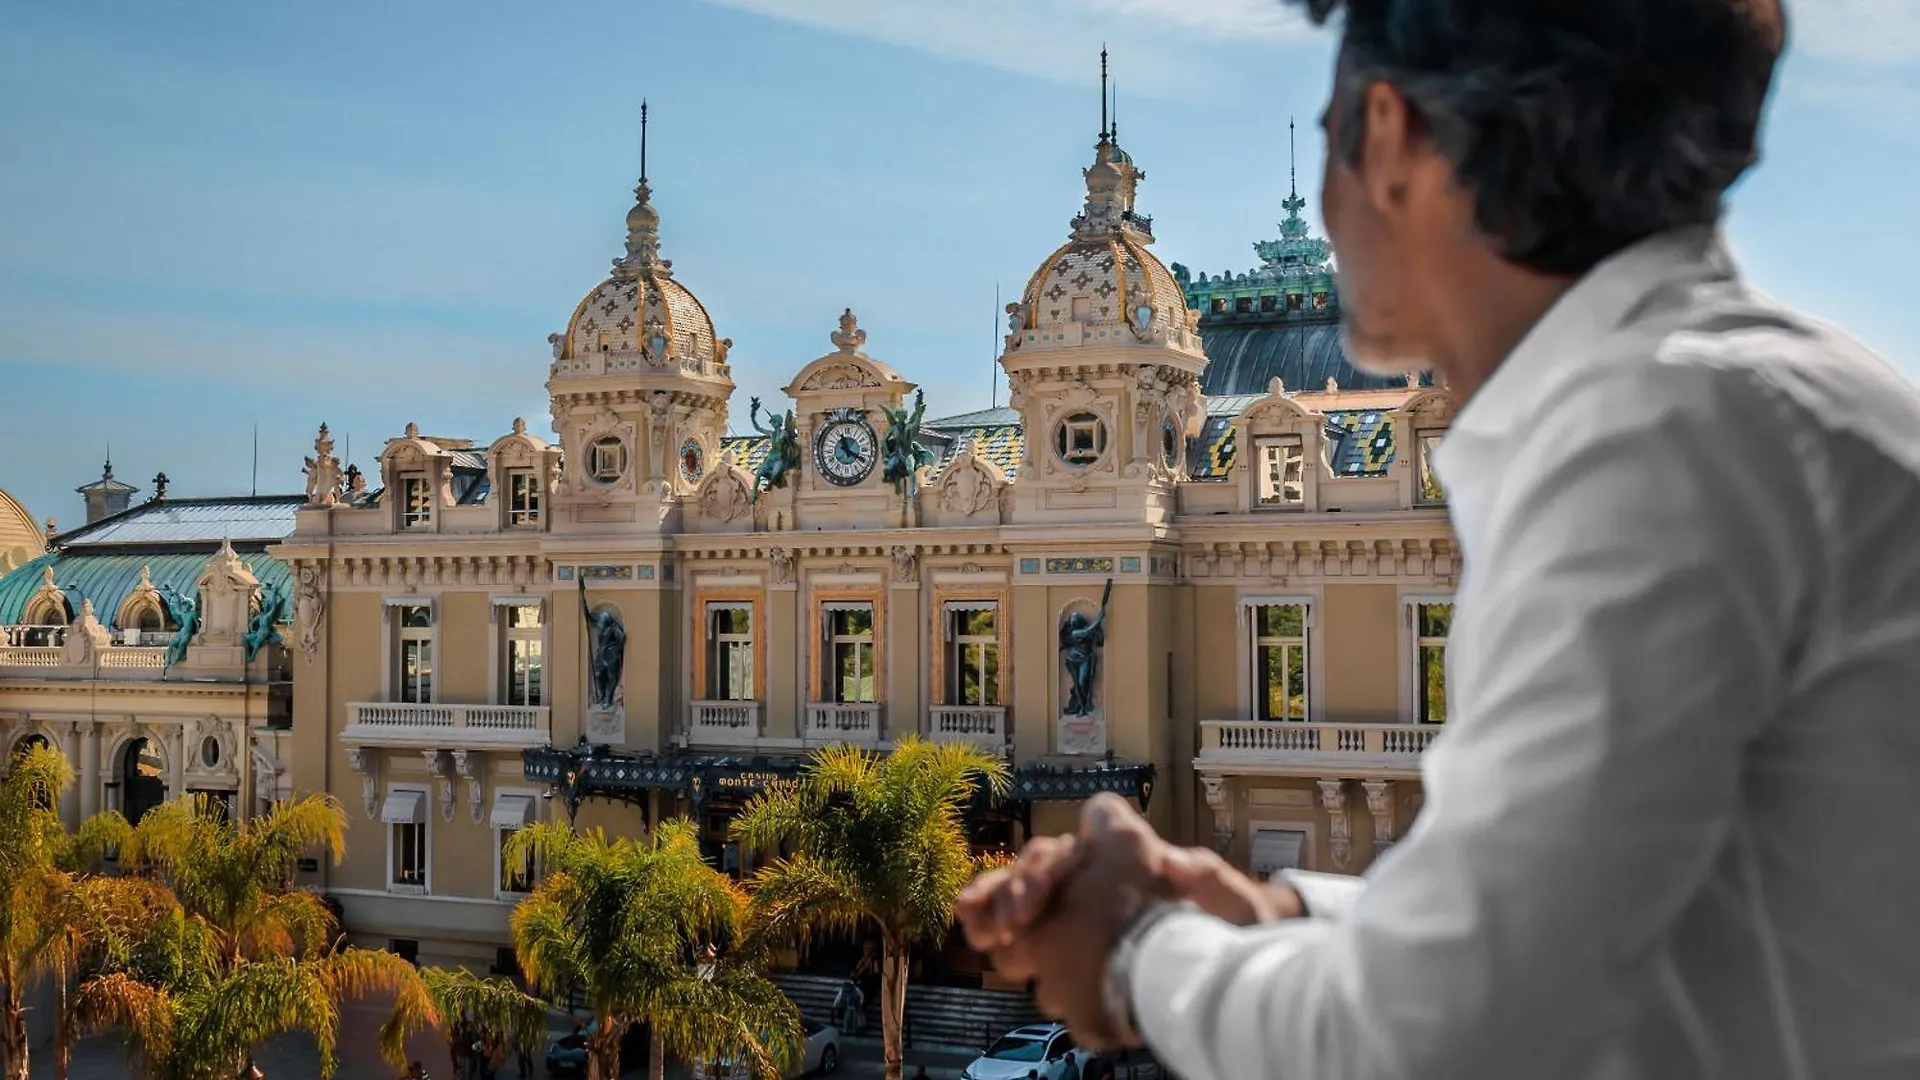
(264, 628)
(905, 456)
(783, 449)
(183, 611)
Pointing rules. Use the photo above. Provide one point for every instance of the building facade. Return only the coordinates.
(147, 646)
(1224, 598)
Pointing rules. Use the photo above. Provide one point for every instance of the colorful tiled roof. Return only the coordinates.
(746, 451)
(1359, 441)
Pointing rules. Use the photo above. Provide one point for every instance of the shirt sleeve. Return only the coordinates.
(1632, 592)
(1325, 896)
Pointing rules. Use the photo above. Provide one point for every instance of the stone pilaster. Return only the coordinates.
(1380, 805)
(1333, 796)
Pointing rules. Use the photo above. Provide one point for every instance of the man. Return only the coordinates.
(1667, 833)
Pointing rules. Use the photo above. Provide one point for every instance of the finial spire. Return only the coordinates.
(1293, 175)
(643, 140)
(1113, 125)
(1103, 91)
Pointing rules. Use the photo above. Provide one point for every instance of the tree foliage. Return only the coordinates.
(647, 932)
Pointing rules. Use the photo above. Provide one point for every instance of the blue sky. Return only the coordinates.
(219, 213)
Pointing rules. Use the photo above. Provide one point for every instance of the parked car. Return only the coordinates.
(567, 1055)
(822, 1057)
(1044, 1049)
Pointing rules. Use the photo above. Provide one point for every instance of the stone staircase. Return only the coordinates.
(941, 1016)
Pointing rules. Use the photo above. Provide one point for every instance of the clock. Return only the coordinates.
(845, 448)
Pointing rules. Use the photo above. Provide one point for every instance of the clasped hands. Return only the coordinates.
(1056, 913)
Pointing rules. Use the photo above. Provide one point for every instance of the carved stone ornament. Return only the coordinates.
(905, 569)
(1333, 797)
(366, 761)
(849, 337)
(323, 472)
(1222, 807)
(466, 766)
(780, 560)
(441, 770)
(727, 494)
(1380, 805)
(970, 484)
(266, 776)
(310, 608)
(841, 377)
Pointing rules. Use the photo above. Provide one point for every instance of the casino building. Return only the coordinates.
(1198, 560)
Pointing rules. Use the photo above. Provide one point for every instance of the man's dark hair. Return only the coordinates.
(1579, 126)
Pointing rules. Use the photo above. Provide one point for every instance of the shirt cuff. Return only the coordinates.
(1325, 896)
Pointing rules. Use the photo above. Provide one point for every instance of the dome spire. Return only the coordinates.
(1103, 92)
(643, 221)
(1111, 180)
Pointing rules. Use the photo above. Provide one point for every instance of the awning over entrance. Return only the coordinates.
(588, 772)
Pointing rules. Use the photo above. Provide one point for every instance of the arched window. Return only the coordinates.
(143, 779)
(149, 620)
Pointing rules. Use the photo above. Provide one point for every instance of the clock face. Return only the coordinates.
(845, 451)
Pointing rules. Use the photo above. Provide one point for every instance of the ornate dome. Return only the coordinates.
(641, 319)
(20, 539)
(1103, 286)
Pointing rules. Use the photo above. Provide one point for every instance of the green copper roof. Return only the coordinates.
(108, 579)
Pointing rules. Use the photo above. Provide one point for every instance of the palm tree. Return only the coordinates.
(42, 927)
(467, 1002)
(645, 929)
(877, 842)
(98, 920)
(241, 955)
(189, 1012)
(239, 876)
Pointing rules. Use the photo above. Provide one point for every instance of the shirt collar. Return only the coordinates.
(1604, 299)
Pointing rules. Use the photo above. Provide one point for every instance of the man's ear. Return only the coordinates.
(1392, 143)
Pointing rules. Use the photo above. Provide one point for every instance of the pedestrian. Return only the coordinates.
(1685, 644)
(523, 1059)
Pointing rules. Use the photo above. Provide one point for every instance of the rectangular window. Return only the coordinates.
(1242, 305)
(850, 654)
(1269, 302)
(521, 666)
(973, 653)
(1280, 661)
(404, 815)
(1431, 623)
(416, 505)
(1280, 470)
(515, 877)
(523, 498)
(413, 665)
(730, 651)
(1425, 443)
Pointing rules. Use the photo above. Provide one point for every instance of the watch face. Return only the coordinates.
(845, 450)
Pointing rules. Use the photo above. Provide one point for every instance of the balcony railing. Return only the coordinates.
(1387, 747)
(834, 722)
(723, 723)
(35, 656)
(398, 723)
(983, 725)
(133, 657)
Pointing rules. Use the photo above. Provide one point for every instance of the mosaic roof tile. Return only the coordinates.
(746, 451)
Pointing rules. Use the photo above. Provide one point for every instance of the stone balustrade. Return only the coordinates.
(30, 656)
(373, 723)
(1387, 749)
(723, 723)
(834, 722)
(983, 725)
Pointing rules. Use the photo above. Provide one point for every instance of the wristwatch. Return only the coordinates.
(1116, 988)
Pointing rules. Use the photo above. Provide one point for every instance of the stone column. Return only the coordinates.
(1220, 801)
(177, 761)
(69, 735)
(90, 779)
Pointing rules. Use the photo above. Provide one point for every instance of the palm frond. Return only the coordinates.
(487, 1004)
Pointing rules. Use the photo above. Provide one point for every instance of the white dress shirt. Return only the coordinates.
(1672, 829)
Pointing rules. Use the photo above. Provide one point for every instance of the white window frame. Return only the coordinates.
(1247, 655)
(1298, 449)
(1409, 633)
(710, 679)
(412, 520)
(500, 671)
(529, 516)
(426, 827)
(499, 841)
(390, 641)
(830, 678)
(954, 644)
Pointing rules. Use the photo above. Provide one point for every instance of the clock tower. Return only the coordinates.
(841, 402)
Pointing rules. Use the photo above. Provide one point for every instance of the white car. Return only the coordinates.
(1037, 1051)
(822, 1057)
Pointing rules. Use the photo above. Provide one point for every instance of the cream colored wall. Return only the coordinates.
(462, 657)
(1359, 645)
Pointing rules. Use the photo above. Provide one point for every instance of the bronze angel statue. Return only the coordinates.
(905, 456)
(783, 448)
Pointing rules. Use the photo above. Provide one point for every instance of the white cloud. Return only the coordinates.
(1055, 39)
(1856, 31)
